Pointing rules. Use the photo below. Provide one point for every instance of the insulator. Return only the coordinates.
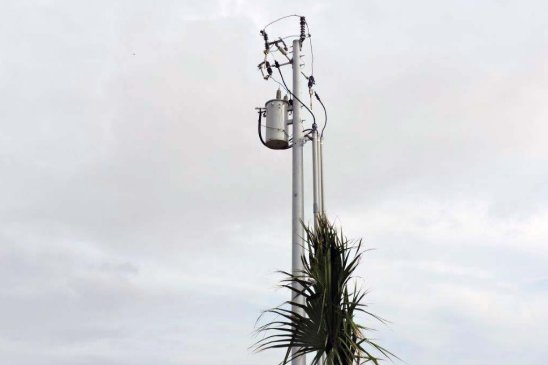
(265, 37)
(303, 33)
(311, 81)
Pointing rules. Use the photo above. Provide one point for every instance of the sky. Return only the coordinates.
(142, 222)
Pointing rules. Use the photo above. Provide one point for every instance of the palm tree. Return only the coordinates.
(331, 300)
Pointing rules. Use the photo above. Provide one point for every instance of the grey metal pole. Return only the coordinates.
(298, 199)
(317, 205)
(322, 183)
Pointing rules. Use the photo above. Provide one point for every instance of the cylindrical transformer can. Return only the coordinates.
(276, 120)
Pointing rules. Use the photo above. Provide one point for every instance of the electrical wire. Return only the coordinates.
(259, 128)
(268, 51)
(284, 85)
(277, 20)
(261, 134)
(325, 113)
(305, 130)
(311, 49)
(295, 97)
(291, 36)
(279, 83)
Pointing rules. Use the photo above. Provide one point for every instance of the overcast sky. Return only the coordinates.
(141, 220)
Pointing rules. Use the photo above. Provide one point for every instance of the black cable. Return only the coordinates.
(261, 134)
(263, 33)
(325, 112)
(309, 134)
(277, 65)
(286, 88)
(279, 83)
(311, 49)
(310, 79)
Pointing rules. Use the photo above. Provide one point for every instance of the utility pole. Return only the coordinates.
(297, 244)
(277, 112)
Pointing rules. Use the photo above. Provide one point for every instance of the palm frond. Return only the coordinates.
(328, 328)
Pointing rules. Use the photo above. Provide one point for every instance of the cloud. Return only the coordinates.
(142, 222)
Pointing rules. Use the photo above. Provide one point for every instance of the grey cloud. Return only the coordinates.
(141, 221)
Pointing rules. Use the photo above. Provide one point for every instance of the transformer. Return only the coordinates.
(276, 122)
